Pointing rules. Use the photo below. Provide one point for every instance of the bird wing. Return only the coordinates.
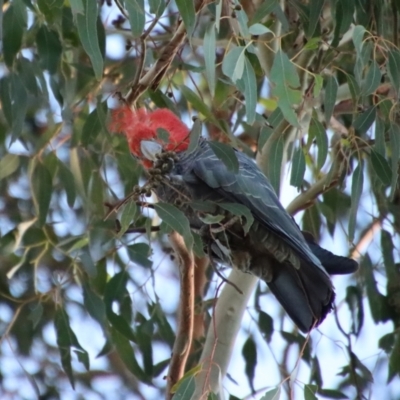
(251, 188)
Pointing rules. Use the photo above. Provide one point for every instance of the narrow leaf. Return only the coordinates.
(315, 15)
(194, 136)
(41, 183)
(381, 167)
(275, 163)
(241, 211)
(177, 220)
(356, 191)
(14, 23)
(9, 163)
(137, 17)
(365, 120)
(393, 67)
(372, 79)
(87, 30)
(331, 89)
(188, 14)
(226, 154)
(209, 56)
(233, 63)
(127, 355)
(249, 353)
(49, 49)
(298, 168)
(249, 84)
(318, 131)
(394, 135)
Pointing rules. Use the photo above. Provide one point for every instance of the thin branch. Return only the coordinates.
(321, 186)
(183, 341)
(154, 76)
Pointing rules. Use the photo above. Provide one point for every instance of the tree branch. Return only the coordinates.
(221, 336)
(183, 341)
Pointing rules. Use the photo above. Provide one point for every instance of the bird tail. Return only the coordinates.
(333, 264)
(306, 293)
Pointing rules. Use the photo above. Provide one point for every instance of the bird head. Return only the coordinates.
(150, 132)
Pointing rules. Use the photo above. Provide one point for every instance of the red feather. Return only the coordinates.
(142, 125)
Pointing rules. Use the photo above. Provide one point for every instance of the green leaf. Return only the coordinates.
(381, 167)
(354, 88)
(248, 85)
(49, 49)
(332, 394)
(318, 131)
(6, 99)
(358, 36)
(241, 211)
(331, 89)
(66, 340)
(226, 154)
(91, 128)
(275, 163)
(77, 7)
(388, 260)
(380, 140)
(386, 342)
(14, 25)
(188, 14)
(354, 299)
(9, 163)
(19, 105)
(129, 214)
(194, 136)
(42, 187)
(372, 79)
(318, 85)
(264, 8)
(249, 353)
(258, 29)
(286, 82)
(127, 355)
(115, 290)
(94, 304)
(375, 299)
(157, 7)
(185, 387)
(137, 17)
(393, 69)
(197, 103)
(365, 120)
(298, 168)
(87, 30)
(266, 325)
(394, 135)
(67, 180)
(315, 15)
(356, 191)
(139, 253)
(309, 392)
(177, 220)
(209, 56)
(233, 63)
(273, 394)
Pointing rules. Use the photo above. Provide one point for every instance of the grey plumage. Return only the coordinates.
(296, 273)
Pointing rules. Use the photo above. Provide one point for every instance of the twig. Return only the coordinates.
(153, 77)
(321, 186)
(183, 341)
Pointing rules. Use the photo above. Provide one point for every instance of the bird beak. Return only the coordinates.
(150, 149)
